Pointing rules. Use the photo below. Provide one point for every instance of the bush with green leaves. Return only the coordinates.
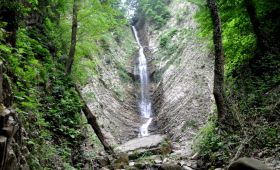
(166, 37)
(251, 79)
(156, 11)
(46, 101)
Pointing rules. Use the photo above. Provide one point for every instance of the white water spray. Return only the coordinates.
(145, 103)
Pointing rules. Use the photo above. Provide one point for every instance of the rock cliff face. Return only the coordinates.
(110, 95)
(182, 72)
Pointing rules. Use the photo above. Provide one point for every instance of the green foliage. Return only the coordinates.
(215, 146)
(45, 111)
(238, 37)
(163, 41)
(46, 100)
(172, 43)
(252, 81)
(124, 74)
(63, 107)
(156, 11)
(99, 18)
(96, 20)
(47, 103)
(164, 38)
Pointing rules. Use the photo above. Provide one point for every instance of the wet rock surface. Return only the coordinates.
(117, 120)
(182, 76)
(149, 160)
(110, 95)
(148, 142)
(182, 99)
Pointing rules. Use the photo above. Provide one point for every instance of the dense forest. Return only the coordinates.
(68, 84)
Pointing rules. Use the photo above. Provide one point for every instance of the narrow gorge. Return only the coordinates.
(133, 84)
(173, 92)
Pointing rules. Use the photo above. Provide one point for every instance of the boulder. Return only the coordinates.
(103, 161)
(121, 162)
(165, 148)
(170, 167)
(187, 168)
(248, 164)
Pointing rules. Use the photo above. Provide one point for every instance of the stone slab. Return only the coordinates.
(147, 142)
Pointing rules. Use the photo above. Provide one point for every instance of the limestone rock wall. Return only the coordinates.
(110, 94)
(182, 74)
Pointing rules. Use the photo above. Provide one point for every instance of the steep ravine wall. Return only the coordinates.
(181, 87)
(182, 74)
(110, 94)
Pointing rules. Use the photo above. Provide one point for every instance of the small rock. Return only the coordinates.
(165, 160)
(111, 158)
(175, 146)
(187, 168)
(121, 162)
(181, 163)
(170, 167)
(139, 165)
(165, 148)
(118, 166)
(122, 158)
(274, 162)
(103, 161)
(102, 153)
(157, 161)
(146, 163)
(131, 163)
(194, 165)
(195, 156)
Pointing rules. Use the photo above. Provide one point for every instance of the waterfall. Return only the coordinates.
(145, 102)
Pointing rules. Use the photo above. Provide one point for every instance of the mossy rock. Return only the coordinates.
(165, 148)
(170, 167)
(121, 162)
(248, 164)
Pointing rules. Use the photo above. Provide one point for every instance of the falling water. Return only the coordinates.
(144, 103)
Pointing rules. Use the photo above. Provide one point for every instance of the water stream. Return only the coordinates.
(145, 102)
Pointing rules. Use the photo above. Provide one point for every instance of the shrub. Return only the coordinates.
(156, 11)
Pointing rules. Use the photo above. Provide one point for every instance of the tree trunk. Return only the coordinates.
(219, 62)
(92, 120)
(1, 83)
(70, 59)
(256, 26)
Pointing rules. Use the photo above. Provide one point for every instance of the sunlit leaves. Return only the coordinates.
(156, 11)
(238, 36)
(33, 2)
(97, 18)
